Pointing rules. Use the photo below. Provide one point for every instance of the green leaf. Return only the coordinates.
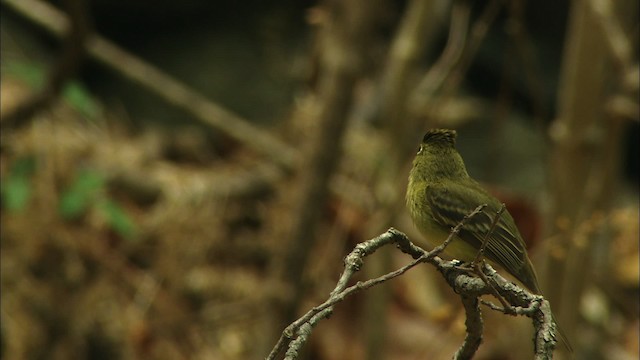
(88, 181)
(80, 99)
(73, 204)
(74, 93)
(31, 73)
(118, 219)
(15, 193)
(16, 188)
(24, 167)
(80, 195)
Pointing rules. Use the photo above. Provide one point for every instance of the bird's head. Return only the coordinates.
(442, 138)
(437, 157)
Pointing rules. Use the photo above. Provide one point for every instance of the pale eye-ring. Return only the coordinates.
(420, 149)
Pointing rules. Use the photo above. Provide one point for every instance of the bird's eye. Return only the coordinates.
(420, 149)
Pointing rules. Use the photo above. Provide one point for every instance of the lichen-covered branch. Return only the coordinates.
(469, 286)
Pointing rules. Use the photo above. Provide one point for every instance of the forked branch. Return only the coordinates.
(467, 284)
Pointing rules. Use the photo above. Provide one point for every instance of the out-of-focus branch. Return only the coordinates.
(525, 51)
(168, 88)
(469, 287)
(581, 77)
(477, 34)
(462, 45)
(450, 57)
(343, 38)
(65, 67)
(615, 39)
(622, 53)
(416, 31)
(584, 161)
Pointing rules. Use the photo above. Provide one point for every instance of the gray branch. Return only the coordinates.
(463, 282)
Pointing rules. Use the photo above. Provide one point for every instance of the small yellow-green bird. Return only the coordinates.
(441, 193)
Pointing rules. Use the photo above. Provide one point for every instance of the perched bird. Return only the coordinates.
(441, 193)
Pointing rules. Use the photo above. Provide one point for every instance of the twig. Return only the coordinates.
(478, 271)
(485, 240)
(168, 88)
(475, 264)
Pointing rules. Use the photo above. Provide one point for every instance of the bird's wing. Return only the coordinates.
(449, 204)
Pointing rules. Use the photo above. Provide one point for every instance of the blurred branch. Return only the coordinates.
(525, 51)
(450, 57)
(168, 88)
(470, 288)
(66, 65)
(622, 52)
(579, 109)
(623, 106)
(477, 35)
(343, 38)
(584, 162)
(416, 31)
(615, 39)
(462, 45)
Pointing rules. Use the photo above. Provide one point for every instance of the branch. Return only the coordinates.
(66, 65)
(450, 57)
(462, 45)
(343, 38)
(168, 88)
(464, 283)
(474, 328)
(618, 43)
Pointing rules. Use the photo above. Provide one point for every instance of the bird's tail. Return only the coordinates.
(529, 279)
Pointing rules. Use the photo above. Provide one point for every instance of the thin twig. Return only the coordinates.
(478, 271)
(438, 249)
(475, 264)
(485, 240)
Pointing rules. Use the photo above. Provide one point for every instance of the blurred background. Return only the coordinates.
(182, 179)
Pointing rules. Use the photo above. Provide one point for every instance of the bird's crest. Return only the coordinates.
(440, 136)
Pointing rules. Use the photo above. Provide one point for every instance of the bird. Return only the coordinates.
(441, 193)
